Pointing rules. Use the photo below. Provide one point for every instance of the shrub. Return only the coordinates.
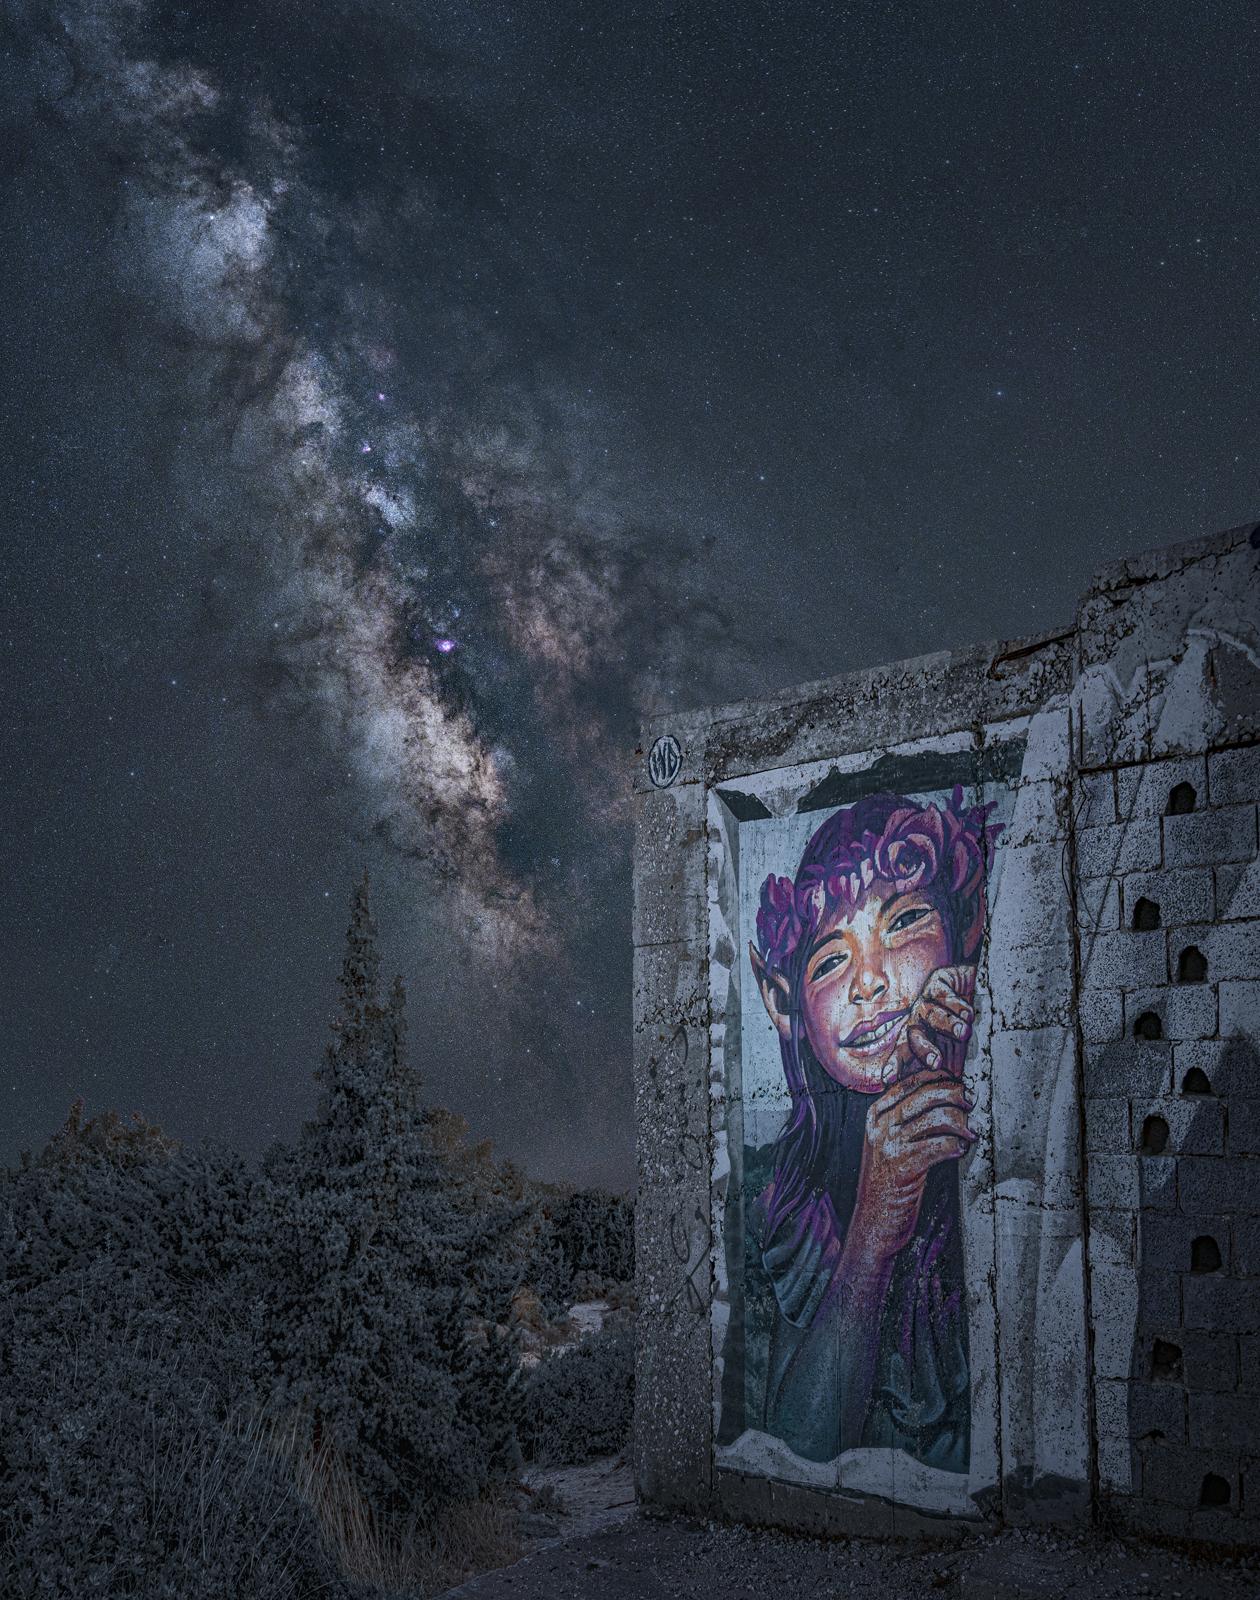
(578, 1403)
(127, 1467)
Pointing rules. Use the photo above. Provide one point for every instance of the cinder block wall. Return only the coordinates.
(1125, 1277)
(1168, 908)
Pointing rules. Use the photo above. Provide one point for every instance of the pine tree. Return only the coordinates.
(374, 1267)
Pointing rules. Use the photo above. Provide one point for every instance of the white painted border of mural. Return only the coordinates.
(1021, 1212)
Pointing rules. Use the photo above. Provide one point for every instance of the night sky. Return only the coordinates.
(400, 401)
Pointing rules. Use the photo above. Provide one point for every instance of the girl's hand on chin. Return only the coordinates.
(912, 1126)
(938, 1029)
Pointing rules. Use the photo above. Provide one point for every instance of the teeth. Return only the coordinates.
(875, 1034)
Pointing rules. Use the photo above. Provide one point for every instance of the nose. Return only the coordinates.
(868, 983)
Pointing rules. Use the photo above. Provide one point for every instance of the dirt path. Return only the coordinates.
(600, 1548)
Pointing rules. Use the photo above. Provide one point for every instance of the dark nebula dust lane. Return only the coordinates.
(399, 404)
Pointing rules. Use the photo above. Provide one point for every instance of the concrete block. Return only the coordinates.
(1237, 891)
(1217, 1304)
(1157, 1411)
(1113, 1332)
(669, 1053)
(1136, 1410)
(1217, 1421)
(1157, 1183)
(1246, 1252)
(1119, 847)
(1240, 1009)
(1244, 1131)
(1186, 895)
(1165, 1238)
(1231, 1066)
(1124, 960)
(1234, 776)
(1143, 791)
(1112, 1181)
(1251, 1493)
(1111, 1238)
(1211, 1184)
(1196, 1125)
(1131, 1514)
(1249, 1363)
(1101, 1015)
(1209, 1361)
(1107, 1126)
(1174, 1474)
(1204, 838)
(1126, 1313)
(1232, 949)
(1132, 1068)
(1111, 1408)
(1187, 1011)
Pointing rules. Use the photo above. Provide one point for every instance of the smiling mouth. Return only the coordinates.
(876, 1032)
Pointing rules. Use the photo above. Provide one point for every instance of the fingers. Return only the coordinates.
(945, 1147)
(953, 989)
(924, 1046)
(953, 1021)
(935, 1123)
(905, 1087)
(930, 1097)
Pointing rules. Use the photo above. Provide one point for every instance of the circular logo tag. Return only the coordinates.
(665, 761)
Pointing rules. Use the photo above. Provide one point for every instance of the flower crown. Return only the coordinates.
(915, 847)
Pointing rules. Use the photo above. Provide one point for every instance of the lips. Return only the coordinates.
(874, 1031)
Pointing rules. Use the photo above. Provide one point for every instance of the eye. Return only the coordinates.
(908, 918)
(831, 963)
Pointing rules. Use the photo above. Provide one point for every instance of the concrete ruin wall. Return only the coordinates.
(1108, 1214)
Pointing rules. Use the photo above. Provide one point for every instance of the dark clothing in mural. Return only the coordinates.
(920, 1401)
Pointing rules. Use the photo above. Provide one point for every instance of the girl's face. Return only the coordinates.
(865, 970)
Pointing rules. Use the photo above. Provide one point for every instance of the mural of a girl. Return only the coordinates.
(866, 963)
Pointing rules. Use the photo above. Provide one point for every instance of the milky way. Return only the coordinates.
(409, 403)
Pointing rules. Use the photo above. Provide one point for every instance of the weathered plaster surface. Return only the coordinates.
(1121, 1366)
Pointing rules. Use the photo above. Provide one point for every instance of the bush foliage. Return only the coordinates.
(299, 1379)
(578, 1403)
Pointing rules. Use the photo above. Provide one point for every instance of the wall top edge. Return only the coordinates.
(1167, 560)
(992, 653)
(1006, 659)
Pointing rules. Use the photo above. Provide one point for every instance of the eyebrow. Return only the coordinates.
(889, 905)
(823, 943)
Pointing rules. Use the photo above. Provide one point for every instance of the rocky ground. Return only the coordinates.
(585, 1541)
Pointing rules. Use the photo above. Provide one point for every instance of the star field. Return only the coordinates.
(400, 404)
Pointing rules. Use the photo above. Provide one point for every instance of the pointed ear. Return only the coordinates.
(775, 993)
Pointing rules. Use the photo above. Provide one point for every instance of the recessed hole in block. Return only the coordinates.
(1165, 1359)
(1215, 1490)
(1191, 965)
(1181, 799)
(1145, 915)
(1205, 1254)
(1154, 1139)
(1196, 1081)
(1148, 1026)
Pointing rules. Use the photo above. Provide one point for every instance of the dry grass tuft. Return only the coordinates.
(401, 1554)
